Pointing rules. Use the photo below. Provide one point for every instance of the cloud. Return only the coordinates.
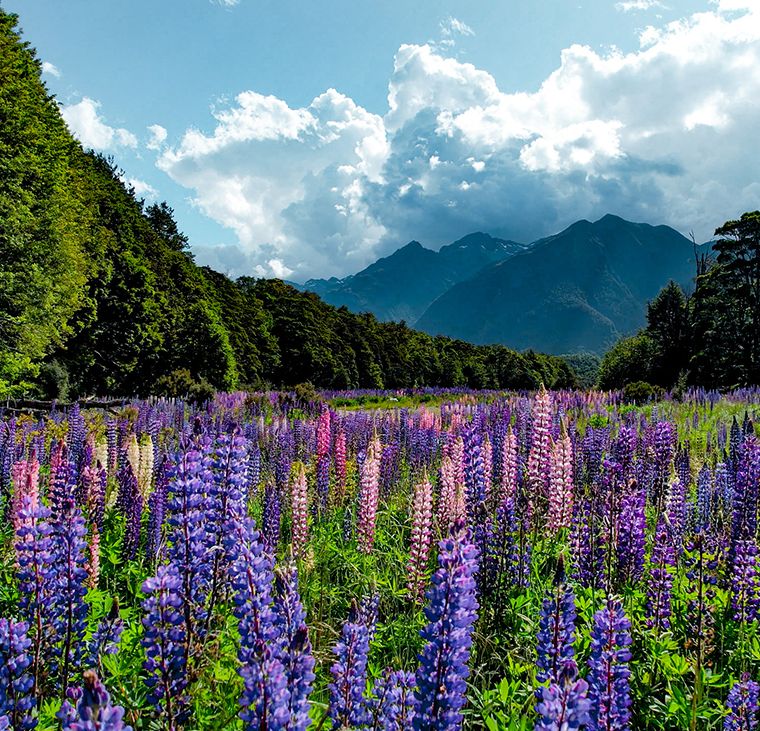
(142, 189)
(51, 69)
(225, 3)
(627, 6)
(157, 137)
(663, 134)
(91, 129)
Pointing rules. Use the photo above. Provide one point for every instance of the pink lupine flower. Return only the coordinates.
(422, 517)
(447, 493)
(561, 484)
(25, 475)
(539, 457)
(369, 493)
(340, 466)
(509, 466)
(299, 503)
(323, 433)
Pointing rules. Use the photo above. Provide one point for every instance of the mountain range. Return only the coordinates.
(401, 286)
(579, 290)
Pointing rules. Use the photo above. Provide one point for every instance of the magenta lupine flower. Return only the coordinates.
(509, 467)
(299, 504)
(323, 456)
(422, 519)
(451, 613)
(561, 484)
(539, 457)
(340, 466)
(369, 493)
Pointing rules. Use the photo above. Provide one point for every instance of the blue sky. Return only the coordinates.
(305, 139)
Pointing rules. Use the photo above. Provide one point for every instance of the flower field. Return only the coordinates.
(554, 560)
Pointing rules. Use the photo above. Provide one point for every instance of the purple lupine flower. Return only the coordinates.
(131, 504)
(165, 644)
(189, 540)
(340, 465)
(69, 610)
(587, 551)
(295, 647)
(609, 674)
(16, 682)
(660, 584)
(706, 498)
(391, 705)
(272, 517)
(474, 477)
(106, 637)
(348, 706)
(323, 456)
(94, 710)
(743, 704)
(264, 701)
(451, 613)
(368, 612)
(563, 706)
(631, 538)
(157, 509)
(556, 633)
(745, 582)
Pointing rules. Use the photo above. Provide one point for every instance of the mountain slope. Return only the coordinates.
(578, 290)
(402, 285)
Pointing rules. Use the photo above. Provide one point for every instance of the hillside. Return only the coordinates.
(99, 293)
(402, 285)
(578, 290)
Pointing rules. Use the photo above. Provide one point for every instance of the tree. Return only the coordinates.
(668, 327)
(630, 359)
(161, 218)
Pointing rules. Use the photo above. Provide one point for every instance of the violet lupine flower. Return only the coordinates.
(16, 682)
(631, 538)
(706, 498)
(745, 582)
(451, 613)
(561, 484)
(94, 710)
(295, 647)
(743, 704)
(422, 520)
(348, 706)
(106, 637)
(391, 706)
(609, 674)
(69, 610)
(131, 504)
(36, 576)
(474, 477)
(369, 493)
(188, 538)
(487, 469)
(660, 583)
(556, 633)
(157, 509)
(368, 612)
(587, 552)
(563, 706)
(272, 517)
(299, 505)
(264, 701)
(165, 644)
(95, 481)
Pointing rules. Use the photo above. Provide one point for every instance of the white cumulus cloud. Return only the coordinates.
(91, 129)
(158, 135)
(51, 69)
(664, 134)
(628, 6)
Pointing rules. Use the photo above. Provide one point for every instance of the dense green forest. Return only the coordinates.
(99, 293)
(708, 338)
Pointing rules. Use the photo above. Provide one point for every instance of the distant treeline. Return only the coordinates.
(709, 338)
(100, 295)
